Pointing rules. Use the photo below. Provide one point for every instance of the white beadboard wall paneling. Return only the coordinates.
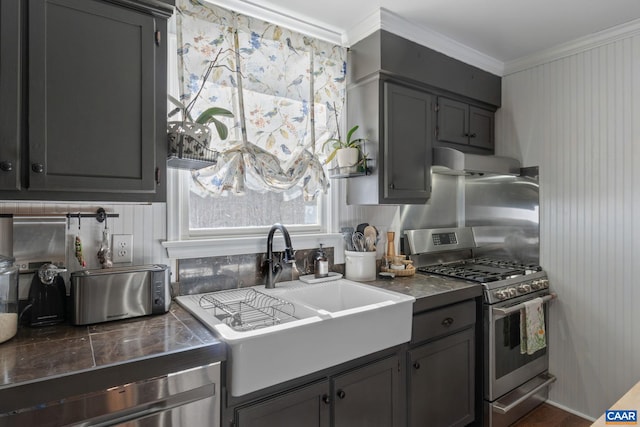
(146, 222)
(577, 119)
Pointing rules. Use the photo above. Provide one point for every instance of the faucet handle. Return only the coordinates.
(288, 256)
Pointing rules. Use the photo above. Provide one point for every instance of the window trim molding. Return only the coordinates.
(180, 246)
(180, 249)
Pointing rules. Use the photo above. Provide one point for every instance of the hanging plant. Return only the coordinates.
(190, 138)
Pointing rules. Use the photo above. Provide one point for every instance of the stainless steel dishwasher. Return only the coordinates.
(186, 398)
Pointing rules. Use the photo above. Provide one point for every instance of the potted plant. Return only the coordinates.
(347, 152)
(190, 138)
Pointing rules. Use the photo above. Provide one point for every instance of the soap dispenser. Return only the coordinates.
(321, 264)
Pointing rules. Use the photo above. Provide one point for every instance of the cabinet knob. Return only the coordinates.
(6, 166)
(341, 394)
(326, 399)
(447, 322)
(416, 365)
(392, 186)
(37, 167)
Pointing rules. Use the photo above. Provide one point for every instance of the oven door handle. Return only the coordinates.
(503, 409)
(514, 309)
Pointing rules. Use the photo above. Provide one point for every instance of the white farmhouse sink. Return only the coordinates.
(332, 322)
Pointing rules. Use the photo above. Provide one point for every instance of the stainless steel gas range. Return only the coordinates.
(514, 381)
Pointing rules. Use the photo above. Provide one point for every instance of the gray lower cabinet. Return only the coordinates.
(441, 367)
(465, 125)
(10, 80)
(305, 407)
(96, 85)
(441, 381)
(367, 396)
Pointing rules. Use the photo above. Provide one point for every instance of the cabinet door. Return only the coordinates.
(441, 381)
(407, 149)
(453, 124)
(10, 83)
(481, 128)
(305, 407)
(91, 97)
(368, 396)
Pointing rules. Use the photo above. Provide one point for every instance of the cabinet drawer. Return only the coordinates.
(443, 321)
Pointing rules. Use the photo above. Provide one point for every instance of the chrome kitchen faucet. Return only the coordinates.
(274, 269)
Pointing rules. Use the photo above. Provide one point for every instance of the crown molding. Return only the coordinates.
(268, 12)
(365, 27)
(573, 47)
(389, 21)
(439, 42)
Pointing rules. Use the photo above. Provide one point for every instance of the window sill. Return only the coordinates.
(180, 249)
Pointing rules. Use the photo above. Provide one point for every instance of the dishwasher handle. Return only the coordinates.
(127, 403)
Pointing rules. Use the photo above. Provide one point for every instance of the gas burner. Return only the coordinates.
(507, 263)
(482, 270)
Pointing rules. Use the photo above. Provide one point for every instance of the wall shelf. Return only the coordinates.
(365, 167)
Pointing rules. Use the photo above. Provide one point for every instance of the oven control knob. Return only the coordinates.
(512, 292)
(523, 289)
(535, 285)
(500, 295)
(544, 283)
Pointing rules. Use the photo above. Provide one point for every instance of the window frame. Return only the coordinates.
(183, 243)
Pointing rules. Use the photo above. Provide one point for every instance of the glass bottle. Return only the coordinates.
(321, 264)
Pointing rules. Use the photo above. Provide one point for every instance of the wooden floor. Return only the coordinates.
(547, 415)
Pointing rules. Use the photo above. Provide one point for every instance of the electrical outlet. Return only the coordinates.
(122, 249)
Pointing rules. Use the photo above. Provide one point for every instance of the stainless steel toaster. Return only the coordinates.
(103, 295)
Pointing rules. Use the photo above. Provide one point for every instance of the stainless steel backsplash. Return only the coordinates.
(503, 210)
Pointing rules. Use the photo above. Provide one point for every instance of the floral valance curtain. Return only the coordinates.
(286, 91)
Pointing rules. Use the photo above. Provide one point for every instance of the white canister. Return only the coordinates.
(360, 266)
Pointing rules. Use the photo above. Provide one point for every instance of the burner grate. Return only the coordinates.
(482, 270)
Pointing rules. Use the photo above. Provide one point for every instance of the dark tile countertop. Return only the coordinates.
(430, 291)
(49, 363)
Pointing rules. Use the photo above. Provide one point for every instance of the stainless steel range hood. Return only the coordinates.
(453, 162)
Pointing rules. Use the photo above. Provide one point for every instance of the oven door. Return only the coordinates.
(507, 368)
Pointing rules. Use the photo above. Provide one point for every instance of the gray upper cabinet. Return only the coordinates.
(96, 107)
(398, 122)
(10, 78)
(464, 124)
(407, 153)
(392, 88)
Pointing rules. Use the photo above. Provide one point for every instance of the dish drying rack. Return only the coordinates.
(247, 309)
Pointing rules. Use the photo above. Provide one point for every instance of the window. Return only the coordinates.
(286, 101)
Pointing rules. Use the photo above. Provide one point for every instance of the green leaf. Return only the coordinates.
(329, 141)
(207, 115)
(351, 131)
(176, 102)
(331, 156)
(181, 107)
(223, 132)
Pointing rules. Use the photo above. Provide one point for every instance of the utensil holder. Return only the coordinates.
(360, 266)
